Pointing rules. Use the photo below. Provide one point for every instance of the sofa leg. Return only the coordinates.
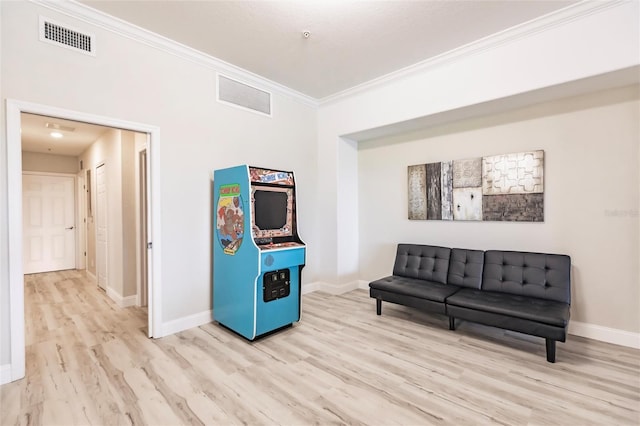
(551, 350)
(378, 306)
(452, 323)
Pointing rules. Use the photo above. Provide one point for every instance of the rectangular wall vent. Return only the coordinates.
(242, 95)
(64, 36)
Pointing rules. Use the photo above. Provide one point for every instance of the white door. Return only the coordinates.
(101, 226)
(48, 223)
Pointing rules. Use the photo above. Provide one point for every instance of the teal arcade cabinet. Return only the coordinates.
(257, 254)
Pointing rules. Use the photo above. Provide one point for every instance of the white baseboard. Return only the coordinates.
(605, 334)
(591, 331)
(311, 287)
(5, 374)
(91, 276)
(334, 289)
(122, 302)
(363, 285)
(186, 323)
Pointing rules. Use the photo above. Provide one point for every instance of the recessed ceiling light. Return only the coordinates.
(56, 135)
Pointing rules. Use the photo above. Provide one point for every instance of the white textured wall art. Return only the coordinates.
(520, 173)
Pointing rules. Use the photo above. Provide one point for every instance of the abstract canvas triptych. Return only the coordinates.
(508, 187)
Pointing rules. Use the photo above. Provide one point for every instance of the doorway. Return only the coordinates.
(14, 178)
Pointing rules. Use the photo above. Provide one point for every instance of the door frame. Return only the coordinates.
(81, 226)
(14, 197)
(96, 211)
(76, 201)
(142, 217)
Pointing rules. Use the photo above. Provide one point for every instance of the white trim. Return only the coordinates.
(154, 287)
(96, 209)
(118, 26)
(121, 301)
(605, 334)
(334, 289)
(14, 217)
(37, 173)
(140, 245)
(311, 287)
(5, 374)
(81, 226)
(91, 276)
(140, 35)
(510, 35)
(185, 323)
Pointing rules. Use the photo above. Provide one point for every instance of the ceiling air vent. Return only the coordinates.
(242, 95)
(52, 32)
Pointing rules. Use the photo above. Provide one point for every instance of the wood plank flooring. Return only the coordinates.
(89, 362)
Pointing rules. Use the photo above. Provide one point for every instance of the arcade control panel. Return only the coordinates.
(276, 285)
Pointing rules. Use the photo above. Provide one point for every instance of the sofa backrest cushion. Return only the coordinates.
(545, 276)
(465, 268)
(429, 263)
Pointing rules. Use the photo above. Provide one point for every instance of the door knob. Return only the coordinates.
(71, 227)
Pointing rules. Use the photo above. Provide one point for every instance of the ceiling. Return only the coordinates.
(76, 136)
(350, 42)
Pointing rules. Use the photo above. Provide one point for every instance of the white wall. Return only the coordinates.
(128, 254)
(41, 162)
(591, 196)
(598, 41)
(106, 150)
(596, 45)
(132, 81)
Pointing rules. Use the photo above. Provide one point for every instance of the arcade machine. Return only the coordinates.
(257, 254)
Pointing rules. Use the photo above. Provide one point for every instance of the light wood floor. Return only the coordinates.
(89, 362)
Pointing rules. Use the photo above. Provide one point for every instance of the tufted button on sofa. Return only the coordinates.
(520, 291)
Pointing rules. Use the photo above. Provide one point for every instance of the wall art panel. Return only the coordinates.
(467, 173)
(467, 203)
(418, 192)
(513, 207)
(434, 191)
(506, 187)
(446, 180)
(520, 173)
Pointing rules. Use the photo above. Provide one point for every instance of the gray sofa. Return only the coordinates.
(520, 291)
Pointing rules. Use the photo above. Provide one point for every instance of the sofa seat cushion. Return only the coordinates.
(413, 287)
(513, 305)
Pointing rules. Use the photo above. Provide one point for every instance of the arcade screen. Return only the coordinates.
(272, 210)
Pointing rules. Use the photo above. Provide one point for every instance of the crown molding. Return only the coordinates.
(510, 35)
(123, 28)
(560, 17)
